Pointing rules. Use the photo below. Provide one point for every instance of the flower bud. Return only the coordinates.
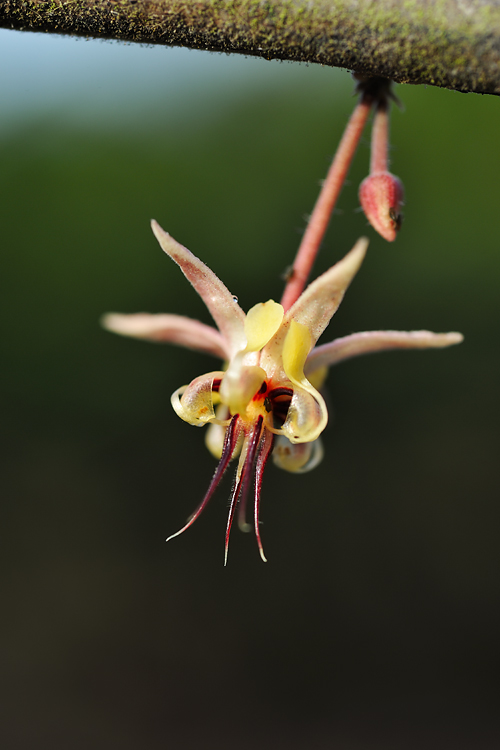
(381, 195)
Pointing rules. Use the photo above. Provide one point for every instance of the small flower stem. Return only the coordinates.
(325, 204)
(380, 140)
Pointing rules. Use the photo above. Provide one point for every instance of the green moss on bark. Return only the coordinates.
(450, 43)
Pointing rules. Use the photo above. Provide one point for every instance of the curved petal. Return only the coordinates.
(261, 323)
(298, 458)
(307, 414)
(194, 403)
(243, 378)
(214, 439)
(223, 307)
(239, 386)
(376, 341)
(320, 301)
(171, 329)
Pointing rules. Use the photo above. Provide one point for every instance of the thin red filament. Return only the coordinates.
(230, 440)
(241, 487)
(265, 450)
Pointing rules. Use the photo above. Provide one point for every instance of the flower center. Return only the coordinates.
(270, 403)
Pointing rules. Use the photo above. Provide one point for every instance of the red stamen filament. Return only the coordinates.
(266, 447)
(240, 490)
(259, 448)
(280, 392)
(230, 439)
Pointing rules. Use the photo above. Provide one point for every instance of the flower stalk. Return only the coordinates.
(330, 191)
(372, 92)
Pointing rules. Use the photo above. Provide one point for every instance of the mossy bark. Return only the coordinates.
(450, 43)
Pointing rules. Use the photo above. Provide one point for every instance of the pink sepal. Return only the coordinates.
(169, 329)
(369, 342)
(222, 305)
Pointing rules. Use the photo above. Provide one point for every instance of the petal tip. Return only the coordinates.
(159, 232)
(353, 260)
(361, 245)
(110, 322)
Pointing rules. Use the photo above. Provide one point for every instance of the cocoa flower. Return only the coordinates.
(266, 400)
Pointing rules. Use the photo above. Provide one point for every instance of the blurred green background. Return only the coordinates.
(375, 623)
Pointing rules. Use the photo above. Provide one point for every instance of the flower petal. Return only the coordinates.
(376, 341)
(298, 458)
(307, 414)
(194, 403)
(320, 301)
(223, 307)
(239, 386)
(261, 323)
(214, 437)
(172, 329)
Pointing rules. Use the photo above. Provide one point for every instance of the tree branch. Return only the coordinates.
(449, 43)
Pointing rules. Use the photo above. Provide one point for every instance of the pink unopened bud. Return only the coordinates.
(381, 195)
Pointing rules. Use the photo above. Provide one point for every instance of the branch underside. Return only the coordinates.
(450, 43)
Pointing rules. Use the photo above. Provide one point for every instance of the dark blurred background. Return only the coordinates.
(375, 622)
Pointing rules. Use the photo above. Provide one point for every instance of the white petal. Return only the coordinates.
(376, 341)
(194, 403)
(307, 416)
(297, 458)
(216, 432)
(320, 301)
(239, 386)
(223, 307)
(261, 323)
(171, 329)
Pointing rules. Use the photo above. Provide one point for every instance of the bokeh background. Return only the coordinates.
(375, 622)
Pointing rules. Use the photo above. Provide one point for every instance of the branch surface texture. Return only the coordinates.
(449, 43)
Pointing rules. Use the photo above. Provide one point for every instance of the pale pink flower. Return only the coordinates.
(266, 401)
